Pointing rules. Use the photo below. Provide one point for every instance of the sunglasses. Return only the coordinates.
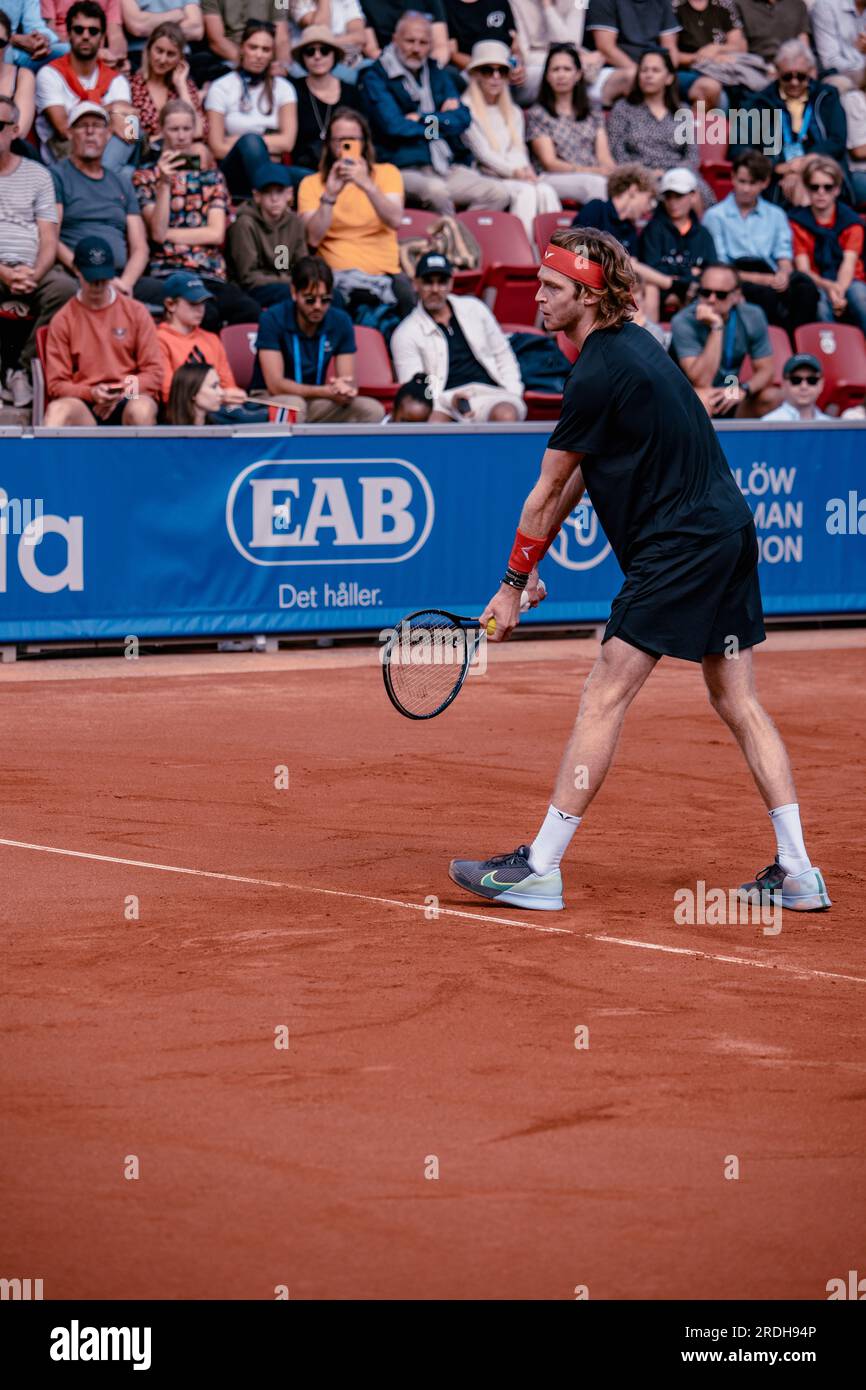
(4, 125)
(91, 29)
(491, 70)
(316, 50)
(793, 77)
(806, 380)
(821, 187)
(713, 294)
(316, 298)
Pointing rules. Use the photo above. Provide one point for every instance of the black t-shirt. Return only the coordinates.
(653, 466)
(463, 365)
(314, 116)
(382, 15)
(701, 27)
(483, 19)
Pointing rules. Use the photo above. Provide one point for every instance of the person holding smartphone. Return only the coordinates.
(103, 365)
(185, 211)
(352, 209)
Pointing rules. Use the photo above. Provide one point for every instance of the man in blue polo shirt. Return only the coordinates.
(712, 338)
(754, 236)
(296, 342)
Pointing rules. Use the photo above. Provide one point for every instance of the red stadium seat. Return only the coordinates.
(781, 345)
(841, 350)
(718, 173)
(239, 341)
(508, 262)
(374, 373)
(38, 374)
(540, 405)
(546, 223)
(415, 222)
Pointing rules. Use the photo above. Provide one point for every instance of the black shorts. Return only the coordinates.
(692, 601)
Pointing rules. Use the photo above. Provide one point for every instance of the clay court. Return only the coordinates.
(411, 1035)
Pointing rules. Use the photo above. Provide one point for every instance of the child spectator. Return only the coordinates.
(675, 244)
(196, 392)
(802, 384)
(182, 338)
(266, 239)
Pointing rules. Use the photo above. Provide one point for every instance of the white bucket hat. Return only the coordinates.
(489, 51)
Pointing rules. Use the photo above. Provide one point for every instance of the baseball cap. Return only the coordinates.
(802, 359)
(433, 263)
(86, 108)
(182, 285)
(270, 174)
(94, 258)
(678, 181)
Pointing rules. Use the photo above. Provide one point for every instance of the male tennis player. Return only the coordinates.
(635, 435)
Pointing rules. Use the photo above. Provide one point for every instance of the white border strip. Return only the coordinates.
(728, 960)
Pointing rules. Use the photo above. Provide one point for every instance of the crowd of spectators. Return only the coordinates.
(167, 170)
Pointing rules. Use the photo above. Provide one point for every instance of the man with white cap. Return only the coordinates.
(674, 244)
(79, 76)
(456, 343)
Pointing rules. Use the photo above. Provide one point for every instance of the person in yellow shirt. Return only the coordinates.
(351, 209)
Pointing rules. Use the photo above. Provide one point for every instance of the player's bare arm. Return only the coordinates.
(557, 492)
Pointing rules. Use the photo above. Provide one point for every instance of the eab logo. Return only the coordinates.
(581, 543)
(329, 511)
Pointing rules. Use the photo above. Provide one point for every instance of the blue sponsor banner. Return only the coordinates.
(316, 532)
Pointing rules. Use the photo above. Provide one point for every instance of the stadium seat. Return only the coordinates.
(841, 350)
(540, 405)
(718, 173)
(374, 373)
(239, 341)
(546, 223)
(508, 263)
(415, 222)
(781, 345)
(38, 375)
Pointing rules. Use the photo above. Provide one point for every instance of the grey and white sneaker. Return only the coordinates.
(508, 879)
(803, 892)
(20, 389)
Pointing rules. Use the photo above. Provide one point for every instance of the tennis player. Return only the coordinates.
(634, 434)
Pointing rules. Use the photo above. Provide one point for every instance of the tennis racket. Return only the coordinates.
(427, 658)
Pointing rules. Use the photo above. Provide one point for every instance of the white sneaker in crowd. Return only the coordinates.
(21, 390)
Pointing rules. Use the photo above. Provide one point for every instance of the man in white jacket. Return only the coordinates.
(455, 341)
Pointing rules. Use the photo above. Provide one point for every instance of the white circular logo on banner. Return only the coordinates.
(581, 544)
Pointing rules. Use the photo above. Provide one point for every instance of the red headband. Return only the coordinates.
(576, 267)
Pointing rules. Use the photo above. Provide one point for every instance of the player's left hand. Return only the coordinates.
(505, 608)
(536, 589)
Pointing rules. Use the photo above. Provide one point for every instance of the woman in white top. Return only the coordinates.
(252, 116)
(496, 136)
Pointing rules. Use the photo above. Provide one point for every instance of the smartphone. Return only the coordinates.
(115, 388)
(351, 149)
(191, 161)
(462, 406)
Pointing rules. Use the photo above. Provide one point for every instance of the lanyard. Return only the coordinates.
(787, 129)
(319, 365)
(730, 338)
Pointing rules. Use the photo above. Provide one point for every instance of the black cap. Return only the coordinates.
(802, 359)
(433, 263)
(94, 258)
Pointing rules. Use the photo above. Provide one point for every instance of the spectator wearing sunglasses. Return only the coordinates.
(567, 137)
(80, 76)
(114, 50)
(802, 116)
(828, 245)
(32, 42)
(297, 341)
(496, 135)
(802, 384)
(711, 339)
(320, 92)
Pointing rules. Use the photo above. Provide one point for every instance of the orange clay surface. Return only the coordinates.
(412, 1036)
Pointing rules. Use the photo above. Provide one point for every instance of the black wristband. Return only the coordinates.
(515, 578)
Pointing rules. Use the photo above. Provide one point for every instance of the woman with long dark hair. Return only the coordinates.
(320, 93)
(195, 393)
(162, 77)
(252, 115)
(351, 209)
(652, 126)
(567, 138)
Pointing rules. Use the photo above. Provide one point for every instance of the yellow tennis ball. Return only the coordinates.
(491, 626)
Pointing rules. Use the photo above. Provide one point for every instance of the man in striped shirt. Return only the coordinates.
(28, 242)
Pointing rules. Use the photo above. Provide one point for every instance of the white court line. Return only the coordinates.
(296, 887)
(728, 960)
(445, 911)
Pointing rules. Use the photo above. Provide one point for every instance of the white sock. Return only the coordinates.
(552, 840)
(789, 839)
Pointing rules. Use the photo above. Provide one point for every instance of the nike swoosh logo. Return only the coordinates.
(491, 881)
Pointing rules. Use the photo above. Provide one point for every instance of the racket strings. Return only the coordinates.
(426, 661)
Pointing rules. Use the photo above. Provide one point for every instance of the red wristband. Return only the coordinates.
(527, 551)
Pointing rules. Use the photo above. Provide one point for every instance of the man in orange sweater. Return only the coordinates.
(102, 359)
(182, 338)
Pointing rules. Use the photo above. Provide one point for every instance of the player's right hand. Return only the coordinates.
(505, 608)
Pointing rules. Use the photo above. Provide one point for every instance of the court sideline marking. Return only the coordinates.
(442, 911)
